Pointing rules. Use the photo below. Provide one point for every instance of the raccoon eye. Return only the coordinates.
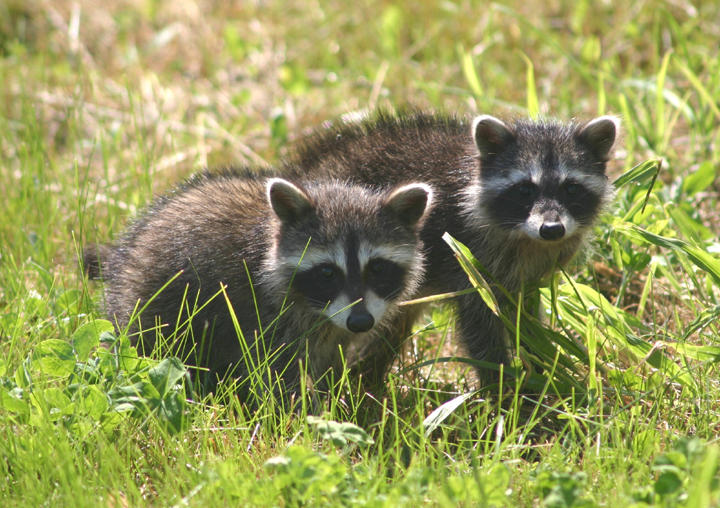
(384, 277)
(376, 266)
(327, 272)
(572, 188)
(526, 189)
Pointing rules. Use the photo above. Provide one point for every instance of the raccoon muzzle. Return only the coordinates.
(552, 230)
(360, 321)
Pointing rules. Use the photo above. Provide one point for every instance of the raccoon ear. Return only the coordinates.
(490, 134)
(410, 202)
(287, 201)
(599, 135)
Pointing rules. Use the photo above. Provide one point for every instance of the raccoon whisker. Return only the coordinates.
(319, 304)
(482, 226)
(496, 225)
(393, 294)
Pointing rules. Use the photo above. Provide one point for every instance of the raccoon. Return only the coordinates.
(313, 267)
(523, 196)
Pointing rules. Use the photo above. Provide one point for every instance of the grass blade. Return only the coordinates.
(472, 268)
(700, 258)
(440, 413)
(530, 88)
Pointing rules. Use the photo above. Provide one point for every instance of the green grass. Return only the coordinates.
(103, 107)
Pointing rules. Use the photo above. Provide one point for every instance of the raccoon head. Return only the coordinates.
(541, 180)
(347, 252)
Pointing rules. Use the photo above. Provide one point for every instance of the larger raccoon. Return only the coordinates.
(316, 267)
(521, 196)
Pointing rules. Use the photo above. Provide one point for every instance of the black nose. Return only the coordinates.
(552, 231)
(360, 321)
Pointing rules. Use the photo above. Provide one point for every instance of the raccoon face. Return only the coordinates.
(347, 253)
(541, 180)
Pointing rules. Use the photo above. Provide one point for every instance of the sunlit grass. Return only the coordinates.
(103, 107)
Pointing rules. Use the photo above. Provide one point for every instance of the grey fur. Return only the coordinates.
(220, 228)
(470, 164)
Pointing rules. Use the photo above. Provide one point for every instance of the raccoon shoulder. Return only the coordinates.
(407, 141)
(210, 216)
(229, 196)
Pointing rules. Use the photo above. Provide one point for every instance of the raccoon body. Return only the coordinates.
(315, 267)
(522, 196)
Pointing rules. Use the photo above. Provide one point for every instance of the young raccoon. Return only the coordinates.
(320, 266)
(522, 196)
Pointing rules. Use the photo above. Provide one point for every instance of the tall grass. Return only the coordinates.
(103, 107)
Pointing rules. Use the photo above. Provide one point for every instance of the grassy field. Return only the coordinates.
(104, 106)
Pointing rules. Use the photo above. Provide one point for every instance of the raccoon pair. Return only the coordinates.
(245, 275)
(523, 197)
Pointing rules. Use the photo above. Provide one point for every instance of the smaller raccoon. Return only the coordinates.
(318, 266)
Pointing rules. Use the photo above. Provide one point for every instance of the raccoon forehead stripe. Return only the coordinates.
(402, 255)
(596, 184)
(496, 185)
(536, 173)
(314, 256)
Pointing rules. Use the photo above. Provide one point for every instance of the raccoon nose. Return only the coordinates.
(360, 321)
(552, 230)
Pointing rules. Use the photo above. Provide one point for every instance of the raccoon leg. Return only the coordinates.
(267, 366)
(373, 361)
(281, 373)
(484, 336)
